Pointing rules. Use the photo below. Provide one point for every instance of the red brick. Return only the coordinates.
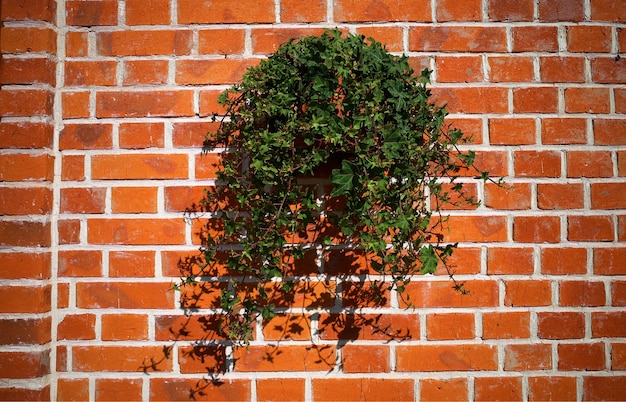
(562, 69)
(449, 389)
(382, 10)
(609, 261)
(561, 10)
(563, 131)
(535, 38)
(506, 325)
(143, 43)
(218, 71)
(29, 10)
(17, 365)
(472, 128)
(498, 389)
(511, 69)
(482, 293)
(30, 331)
(358, 389)
(117, 389)
(287, 326)
(69, 231)
(139, 166)
(25, 394)
(472, 99)
(590, 228)
(123, 327)
(587, 100)
(537, 163)
(77, 327)
(581, 293)
(73, 168)
(526, 357)
(147, 12)
(178, 389)
(245, 11)
(517, 131)
(86, 136)
(560, 196)
(27, 71)
(25, 234)
(618, 356)
(73, 389)
(459, 69)
(273, 358)
(589, 38)
(494, 162)
(145, 72)
(390, 37)
(207, 165)
(621, 163)
(75, 104)
(585, 356)
(25, 265)
(141, 135)
(90, 73)
(123, 295)
(297, 11)
(459, 10)
(537, 229)
(607, 388)
(510, 10)
(609, 132)
(379, 327)
(144, 104)
(13, 297)
(209, 106)
(608, 70)
(608, 195)
(28, 40)
(457, 357)
(25, 201)
(535, 100)
(25, 135)
(589, 164)
(25, 103)
(457, 38)
(189, 327)
(608, 324)
(120, 358)
(63, 295)
(515, 261)
(131, 264)
(552, 388)
(607, 10)
(563, 261)
(377, 361)
(83, 200)
(457, 200)
(80, 263)
(561, 325)
(191, 134)
(76, 44)
(268, 40)
(287, 389)
(532, 292)
(91, 12)
(136, 231)
(202, 359)
(475, 229)
(450, 326)
(221, 41)
(134, 199)
(618, 293)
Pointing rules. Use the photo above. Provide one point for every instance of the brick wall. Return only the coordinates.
(105, 104)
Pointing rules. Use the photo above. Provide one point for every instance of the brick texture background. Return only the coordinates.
(105, 103)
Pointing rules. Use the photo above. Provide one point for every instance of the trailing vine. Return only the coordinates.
(330, 142)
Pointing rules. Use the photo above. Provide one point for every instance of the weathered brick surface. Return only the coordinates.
(105, 104)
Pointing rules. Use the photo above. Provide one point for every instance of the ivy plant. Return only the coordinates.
(330, 142)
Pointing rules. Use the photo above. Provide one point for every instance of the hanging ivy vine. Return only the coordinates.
(330, 141)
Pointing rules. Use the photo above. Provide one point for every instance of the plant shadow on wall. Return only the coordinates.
(334, 168)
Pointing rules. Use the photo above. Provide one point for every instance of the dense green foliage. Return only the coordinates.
(331, 140)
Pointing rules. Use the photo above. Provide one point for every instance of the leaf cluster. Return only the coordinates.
(331, 140)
